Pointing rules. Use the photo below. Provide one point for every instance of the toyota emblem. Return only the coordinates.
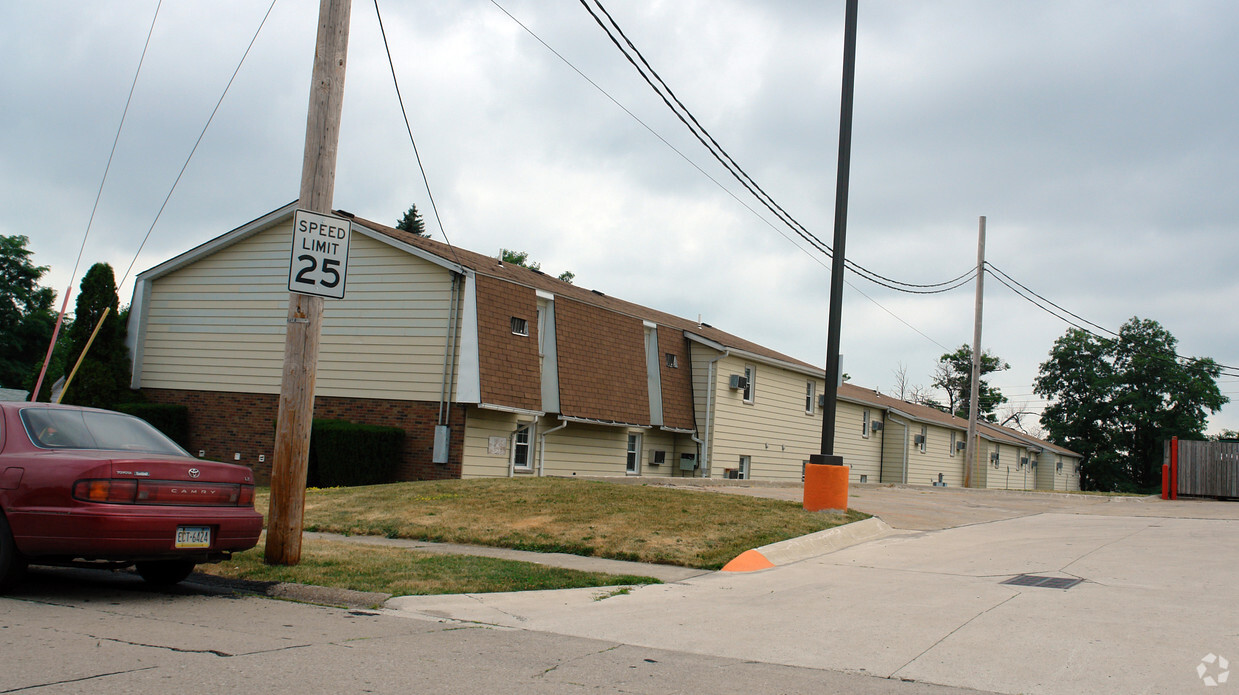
(194, 472)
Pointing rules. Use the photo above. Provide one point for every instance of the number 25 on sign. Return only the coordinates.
(319, 262)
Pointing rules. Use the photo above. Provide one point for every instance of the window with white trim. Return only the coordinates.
(924, 438)
(743, 471)
(864, 423)
(750, 376)
(521, 448)
(520, 326)
(634, 455)
(954, 439)
(810, 391)
(673, 360)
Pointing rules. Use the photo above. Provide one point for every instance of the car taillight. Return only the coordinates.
(164, 492)
(117, 491)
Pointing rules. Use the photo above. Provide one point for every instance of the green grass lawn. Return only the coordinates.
(401, 572)
(643, 523)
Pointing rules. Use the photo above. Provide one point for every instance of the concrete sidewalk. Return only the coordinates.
(1158, 596)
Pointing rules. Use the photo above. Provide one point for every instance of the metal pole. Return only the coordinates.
(972, 450)
(841, 218)
(305, 312)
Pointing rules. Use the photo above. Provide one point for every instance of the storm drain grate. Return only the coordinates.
(1047, 582)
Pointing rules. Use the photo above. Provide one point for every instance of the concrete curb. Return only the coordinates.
(812, 545)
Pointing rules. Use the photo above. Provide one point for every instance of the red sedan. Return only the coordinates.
(87, 486)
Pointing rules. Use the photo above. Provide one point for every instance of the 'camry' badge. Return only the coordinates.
(194, 472)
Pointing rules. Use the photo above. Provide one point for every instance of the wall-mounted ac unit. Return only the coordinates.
(1023, 461)
(737, 382)
(821, 400)
(688, 462)
(918, 439)
(875, 426)
(657, 457)
(960, 446)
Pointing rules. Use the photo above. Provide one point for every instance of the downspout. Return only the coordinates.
(705, 455)
(542, 446)
(449, 356)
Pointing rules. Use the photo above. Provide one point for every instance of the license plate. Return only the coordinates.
(193, 536)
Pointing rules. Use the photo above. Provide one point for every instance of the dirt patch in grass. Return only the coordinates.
(401, 572)
(643, 523)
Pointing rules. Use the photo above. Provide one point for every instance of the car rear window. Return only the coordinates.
(53, 428)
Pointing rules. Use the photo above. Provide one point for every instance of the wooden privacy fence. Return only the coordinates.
(1207, 469)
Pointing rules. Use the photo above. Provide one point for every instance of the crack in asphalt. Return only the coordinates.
(77, 680)
(578, 658)
(216, 652)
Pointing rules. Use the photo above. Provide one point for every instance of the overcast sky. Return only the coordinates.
(1100, 139)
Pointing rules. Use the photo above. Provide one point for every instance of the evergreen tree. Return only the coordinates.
(412, 222)
(102, 380)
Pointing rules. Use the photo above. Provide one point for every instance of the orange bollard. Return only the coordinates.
(825, 487)
(1165, 481)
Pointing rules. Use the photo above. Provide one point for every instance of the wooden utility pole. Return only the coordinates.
(305, 312)
(972, 449)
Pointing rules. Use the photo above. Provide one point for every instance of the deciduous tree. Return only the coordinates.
(954, 376)
(26, 314)
(1114, 400)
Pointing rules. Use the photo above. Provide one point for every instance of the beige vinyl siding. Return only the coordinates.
(218, 324)
(923, 468)
(587, 449)
(480, 426)
(670, 442)
(773, 430)
(862, 455)
(896, 444)
(1009, 475)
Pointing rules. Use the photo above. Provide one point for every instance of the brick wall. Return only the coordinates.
(223, 424)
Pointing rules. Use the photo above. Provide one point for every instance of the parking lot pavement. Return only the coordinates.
(1157, 597)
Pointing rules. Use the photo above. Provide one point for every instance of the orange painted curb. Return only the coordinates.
(825, 487)
(748, 561)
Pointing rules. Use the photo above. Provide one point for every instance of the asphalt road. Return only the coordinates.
(74, 631)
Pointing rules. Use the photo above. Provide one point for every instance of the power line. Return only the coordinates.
(712, 145)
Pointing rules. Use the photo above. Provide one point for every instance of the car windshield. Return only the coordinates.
(54, 428)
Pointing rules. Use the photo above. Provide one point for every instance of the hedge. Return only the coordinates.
(172, 420)
(344, 454)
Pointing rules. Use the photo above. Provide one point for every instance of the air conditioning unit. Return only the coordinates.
(657, 457)
(960, 446)
(1023, 461)
(918, 439)
(875, 426)
(688, 462)
(737, 382)
(821, 400)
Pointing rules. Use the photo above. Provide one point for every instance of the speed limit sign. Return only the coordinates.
(319, 260)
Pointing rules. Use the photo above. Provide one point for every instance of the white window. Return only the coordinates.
(634, 454)
(954, 438)
(1058, 467)
(520, 448)
(864, 423)
(810, 390)
(673, 361)
(750, 374)
(924, 438)
(520, 326)
(743, 471)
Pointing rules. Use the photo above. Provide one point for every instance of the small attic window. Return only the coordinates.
(520, 326)
(673, 361)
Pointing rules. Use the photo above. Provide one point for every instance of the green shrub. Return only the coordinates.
(344, 454)
(172, 420)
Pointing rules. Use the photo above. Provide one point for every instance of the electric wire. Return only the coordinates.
(98, 195)
(703, 136)
(197, 142)
(409, 129)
